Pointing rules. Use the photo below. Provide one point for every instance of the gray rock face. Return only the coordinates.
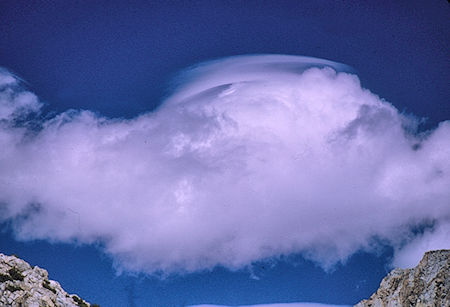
(426, 285)
(24, 286)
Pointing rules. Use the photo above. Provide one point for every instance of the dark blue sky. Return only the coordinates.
(84, 271)
(118, 58)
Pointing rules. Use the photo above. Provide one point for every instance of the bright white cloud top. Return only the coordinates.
(253, 157)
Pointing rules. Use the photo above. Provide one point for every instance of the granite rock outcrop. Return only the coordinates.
(426, 285)
(24, 286)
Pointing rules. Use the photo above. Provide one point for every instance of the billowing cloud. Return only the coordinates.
(252, 157)
(408, 256)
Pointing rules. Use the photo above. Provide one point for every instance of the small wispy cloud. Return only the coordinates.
(278, 305)
(251, 158)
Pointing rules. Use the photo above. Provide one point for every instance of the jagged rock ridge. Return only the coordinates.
(426, 285)
(24, 286)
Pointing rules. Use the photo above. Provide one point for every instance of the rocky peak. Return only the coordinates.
(24, 286)
(426, 285)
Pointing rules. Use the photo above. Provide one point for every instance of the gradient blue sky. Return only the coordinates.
(118, 58)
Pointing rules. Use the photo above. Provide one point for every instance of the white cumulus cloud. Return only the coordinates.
(252, 157)
(408, 256)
